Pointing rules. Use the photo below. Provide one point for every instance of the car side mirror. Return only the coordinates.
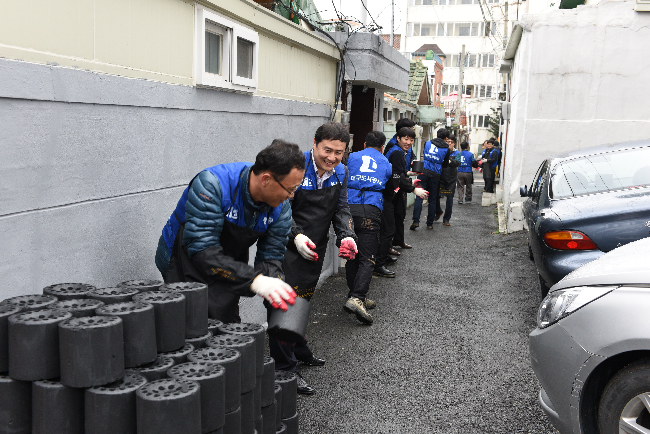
(523, 191)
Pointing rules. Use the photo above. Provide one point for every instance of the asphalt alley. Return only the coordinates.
(448, 351)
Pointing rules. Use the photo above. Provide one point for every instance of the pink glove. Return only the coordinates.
(348, 248)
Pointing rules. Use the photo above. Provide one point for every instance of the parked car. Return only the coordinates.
(591, 348)
(584, 204)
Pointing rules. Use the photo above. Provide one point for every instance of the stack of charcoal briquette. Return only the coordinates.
(142, 357)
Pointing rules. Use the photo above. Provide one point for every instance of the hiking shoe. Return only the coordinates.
(355, 306)
(369, 304)
(414, 226)
(445, 223)
(438, 216)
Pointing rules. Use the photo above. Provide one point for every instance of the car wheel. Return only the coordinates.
(625, 404)
(543, 287)
(530, 253)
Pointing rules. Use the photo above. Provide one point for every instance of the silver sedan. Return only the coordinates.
(591, 348)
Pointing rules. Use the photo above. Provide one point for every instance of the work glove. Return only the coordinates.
(348, 248)
(305, 246)
(421, 193)
(274, 290)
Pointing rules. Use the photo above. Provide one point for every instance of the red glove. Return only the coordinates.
(348, 249)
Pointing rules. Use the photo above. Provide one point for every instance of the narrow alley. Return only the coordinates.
(448, 351)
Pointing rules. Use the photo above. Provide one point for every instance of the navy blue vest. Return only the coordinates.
(232, 207)
(465, 161)
(494, 153)
(309, 181)
(369, 171)
(433, 157)
(409, 153)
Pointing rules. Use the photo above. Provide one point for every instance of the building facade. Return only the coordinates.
(480, 26)
(108, 109)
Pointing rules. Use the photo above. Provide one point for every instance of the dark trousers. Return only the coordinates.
(287, 354)
(387, 233)
(400, 214)
(449, 204)
(464, 180)
(358, 271)
(489, 181)
(431, 185)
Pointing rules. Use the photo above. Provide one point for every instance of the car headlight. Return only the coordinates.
(559, 304)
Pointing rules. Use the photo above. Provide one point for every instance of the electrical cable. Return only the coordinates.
(341, 69)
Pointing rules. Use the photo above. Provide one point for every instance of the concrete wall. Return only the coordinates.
(93, 165)
(592, 88)
(155, 39)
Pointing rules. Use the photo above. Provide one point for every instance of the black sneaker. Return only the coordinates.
(303, 387)
(414, 226)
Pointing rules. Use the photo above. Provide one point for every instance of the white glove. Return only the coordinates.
(421, 193)
(274, 290)
(305, 246)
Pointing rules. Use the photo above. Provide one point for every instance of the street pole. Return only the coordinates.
(459, 96)
(505, 32)
(392, 21)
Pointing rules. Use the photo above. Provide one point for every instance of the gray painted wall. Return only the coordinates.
(92, 166)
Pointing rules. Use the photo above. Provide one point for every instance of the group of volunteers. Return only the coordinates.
(285, 203)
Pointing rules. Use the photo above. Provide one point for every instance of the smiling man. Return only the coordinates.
(224, 210)
(321, 200)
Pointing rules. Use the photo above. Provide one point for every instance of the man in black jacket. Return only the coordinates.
(396, 155)
(448, 179)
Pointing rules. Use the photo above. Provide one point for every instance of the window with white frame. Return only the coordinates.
(226, 53)
(485, 91)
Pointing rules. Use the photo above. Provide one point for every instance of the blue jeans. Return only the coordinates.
(431, 185)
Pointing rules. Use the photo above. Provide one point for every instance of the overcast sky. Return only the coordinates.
(379, 9)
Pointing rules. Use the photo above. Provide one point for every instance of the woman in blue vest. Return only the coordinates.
(224, 210)
(320, 201)
(370, 172)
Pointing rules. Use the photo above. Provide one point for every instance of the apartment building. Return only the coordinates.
(450, 24)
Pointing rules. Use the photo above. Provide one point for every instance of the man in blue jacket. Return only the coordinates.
(224, 210)
(436, 156)
(465, 174)
(369, 171)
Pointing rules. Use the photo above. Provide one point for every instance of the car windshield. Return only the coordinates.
(617, 170)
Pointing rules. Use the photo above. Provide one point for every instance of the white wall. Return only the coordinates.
(579, 79)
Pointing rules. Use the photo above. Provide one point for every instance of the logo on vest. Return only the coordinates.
(268, 220)
(307, 182)
(368, 164)
(232, 214)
